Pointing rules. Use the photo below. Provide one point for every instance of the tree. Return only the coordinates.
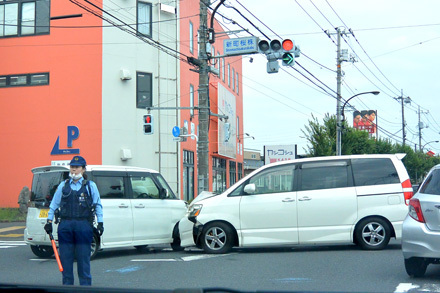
(321, 140)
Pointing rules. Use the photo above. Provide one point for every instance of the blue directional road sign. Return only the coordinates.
(176, 131)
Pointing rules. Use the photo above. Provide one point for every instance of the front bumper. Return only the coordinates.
(189, 232)
(418, 240)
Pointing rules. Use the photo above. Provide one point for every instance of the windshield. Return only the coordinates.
(44, 186)
(432, 183)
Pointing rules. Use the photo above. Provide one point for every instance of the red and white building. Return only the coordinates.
(79, 85)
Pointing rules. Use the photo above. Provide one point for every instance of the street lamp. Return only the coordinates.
(343, 106)
(428, 143)
(339, 126)
(241, 137)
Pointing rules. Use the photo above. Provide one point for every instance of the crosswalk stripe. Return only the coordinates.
(12, 243)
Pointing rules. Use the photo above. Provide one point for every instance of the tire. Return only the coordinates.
(175, 245)
(373, 233)
(94, 246)
(416, 266)
(42, 250)
(141, 248)
(217, 238)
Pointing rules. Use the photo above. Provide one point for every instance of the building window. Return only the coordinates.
(238, 92)
(233, 79)
(223, 69)
(31, 79)
(188, 175)
(229, 75)
(218, 175)
(144, 18)
(144, 90)
(24, 18)
(240, 171)
(191, 100)
(191, 38)
(238, 127)
(218, 62)
(232, 173)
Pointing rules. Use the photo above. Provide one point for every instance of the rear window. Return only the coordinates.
(374, 172)
(432, 183)
(44, 186)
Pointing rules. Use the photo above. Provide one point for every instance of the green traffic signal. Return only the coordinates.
(288, 59)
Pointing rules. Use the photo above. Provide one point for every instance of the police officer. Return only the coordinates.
(78, 200)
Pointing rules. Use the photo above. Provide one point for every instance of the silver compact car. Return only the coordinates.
(421, 227)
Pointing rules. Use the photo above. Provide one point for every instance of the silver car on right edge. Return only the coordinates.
(421, 227)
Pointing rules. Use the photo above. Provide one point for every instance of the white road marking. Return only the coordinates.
(11, 244)
(185, 258)
(405, 287)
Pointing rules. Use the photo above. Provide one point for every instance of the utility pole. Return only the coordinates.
(421, 126)
(203, 141)
(338, 98)
(403, 119)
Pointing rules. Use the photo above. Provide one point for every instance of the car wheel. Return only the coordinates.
(373, 234)
(217, 238)
(175, 245)
(416, 266)
(94, 246)
(141, 248)
(42, 250)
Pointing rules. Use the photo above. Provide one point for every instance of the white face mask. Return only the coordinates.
(75, 176)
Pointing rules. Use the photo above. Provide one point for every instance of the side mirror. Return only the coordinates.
(250, 188)
(163, 193)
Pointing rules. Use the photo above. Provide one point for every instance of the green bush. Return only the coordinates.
(11, 215)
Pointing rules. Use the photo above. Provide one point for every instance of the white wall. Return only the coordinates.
(122, 125)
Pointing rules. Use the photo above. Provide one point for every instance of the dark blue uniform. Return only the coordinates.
(75, 231)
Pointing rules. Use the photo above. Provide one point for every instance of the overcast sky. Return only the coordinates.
(396, 44)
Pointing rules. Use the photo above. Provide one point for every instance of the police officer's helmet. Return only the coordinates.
(78, 161)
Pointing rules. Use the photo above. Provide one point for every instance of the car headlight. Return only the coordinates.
(194, 210)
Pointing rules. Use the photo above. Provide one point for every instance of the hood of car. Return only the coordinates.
(203, 195)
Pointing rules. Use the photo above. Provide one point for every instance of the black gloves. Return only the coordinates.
(100, 228)
(48, 227)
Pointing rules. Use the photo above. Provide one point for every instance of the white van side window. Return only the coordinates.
(374, 171)
(274, 180)
(144, 187)
(316, 176)
(110, 186)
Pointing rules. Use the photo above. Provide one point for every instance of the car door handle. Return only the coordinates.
(123, 206)
(141, 206)
(305, 198)
(288, 199)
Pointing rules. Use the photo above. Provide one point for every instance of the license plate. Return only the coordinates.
(44, 213)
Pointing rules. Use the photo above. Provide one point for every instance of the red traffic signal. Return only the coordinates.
(288, 45)
(148, 124)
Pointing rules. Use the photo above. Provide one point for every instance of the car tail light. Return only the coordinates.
(415, 210)
(407, 191)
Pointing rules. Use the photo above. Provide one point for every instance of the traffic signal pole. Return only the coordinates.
(203, 141)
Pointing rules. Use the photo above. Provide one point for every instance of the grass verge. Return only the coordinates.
(11, 215)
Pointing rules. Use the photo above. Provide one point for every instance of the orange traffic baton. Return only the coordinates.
(57, 257)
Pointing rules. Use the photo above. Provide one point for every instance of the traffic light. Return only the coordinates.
(275, 50)
(148, 124)
(289, 52)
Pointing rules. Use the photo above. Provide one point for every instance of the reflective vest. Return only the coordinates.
(76, 204)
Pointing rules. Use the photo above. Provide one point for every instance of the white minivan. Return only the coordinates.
(139, 208)
(359, 199)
